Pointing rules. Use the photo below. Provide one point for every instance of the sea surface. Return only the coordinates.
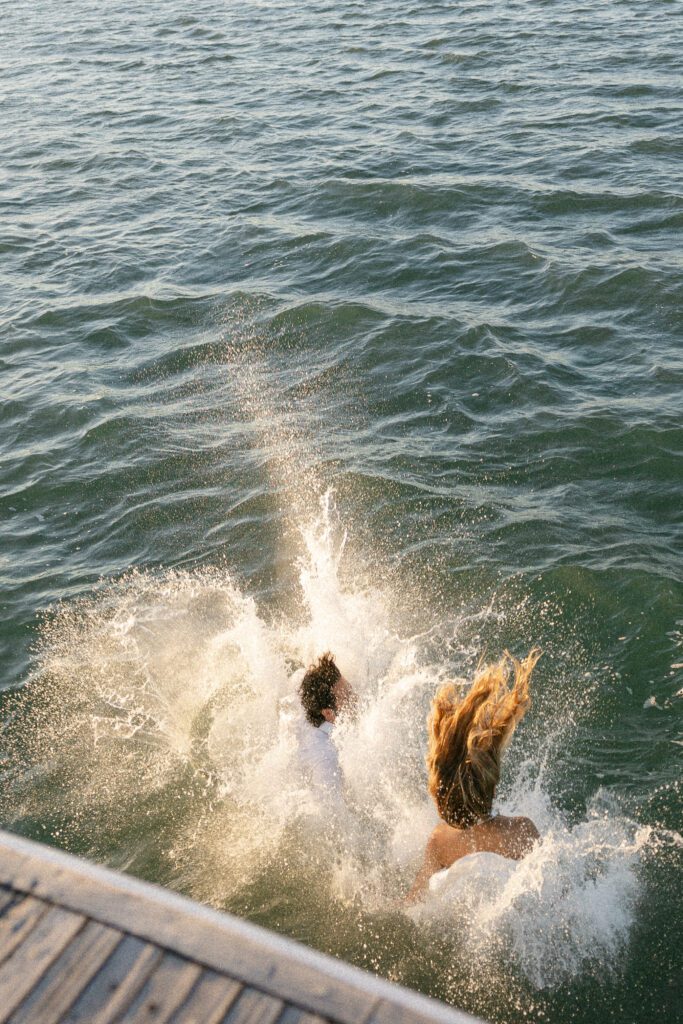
(351, 326)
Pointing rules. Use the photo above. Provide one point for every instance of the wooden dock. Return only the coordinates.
(81, 943)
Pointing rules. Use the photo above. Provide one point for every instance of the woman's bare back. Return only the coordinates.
(508, 837)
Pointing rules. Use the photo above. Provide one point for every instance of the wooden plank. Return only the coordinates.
(254, 1007)
(260, 959)
(116, 985)
(16, 924)
(31, 959)
(388, 1013)
(208, 1001)
(293, 1015)
(246, 952)
(7, 897)
(68, 976)
(164, 991)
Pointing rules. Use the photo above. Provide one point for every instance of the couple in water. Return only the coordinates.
(467, 736)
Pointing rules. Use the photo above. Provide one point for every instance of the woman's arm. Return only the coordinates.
(430, 864)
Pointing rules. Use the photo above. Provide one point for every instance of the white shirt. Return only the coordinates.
(319, 760)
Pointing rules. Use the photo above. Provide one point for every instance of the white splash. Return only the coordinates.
(157, 674)
(569, 904)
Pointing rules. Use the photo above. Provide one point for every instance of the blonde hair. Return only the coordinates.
(468, 736)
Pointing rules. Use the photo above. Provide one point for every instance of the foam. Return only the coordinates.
(176, 688)
(566, 907)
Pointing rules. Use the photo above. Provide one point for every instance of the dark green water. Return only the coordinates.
(427, 256)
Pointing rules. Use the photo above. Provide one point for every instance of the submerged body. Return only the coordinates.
(325, 694)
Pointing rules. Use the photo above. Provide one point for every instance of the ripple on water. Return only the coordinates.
(426, 253)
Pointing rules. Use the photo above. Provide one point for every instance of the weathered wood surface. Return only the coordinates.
(83, 945)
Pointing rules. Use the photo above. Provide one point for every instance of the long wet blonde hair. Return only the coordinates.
(468, 735)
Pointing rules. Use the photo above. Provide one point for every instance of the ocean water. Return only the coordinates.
(351, 326)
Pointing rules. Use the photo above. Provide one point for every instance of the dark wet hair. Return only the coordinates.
(316, 689)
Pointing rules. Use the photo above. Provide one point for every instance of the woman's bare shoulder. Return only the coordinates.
(518, 834)
(527, 826)
(510, 836)
(524, 827)
(449, 844)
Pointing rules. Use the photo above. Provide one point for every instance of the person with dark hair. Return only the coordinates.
(325, 694)
(324, 691)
